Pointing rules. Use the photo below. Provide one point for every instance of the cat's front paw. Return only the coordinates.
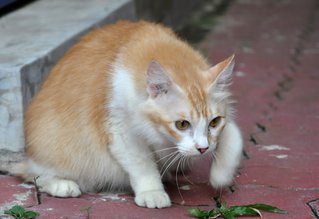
(220, 178)
(153, 199)
(61, 188)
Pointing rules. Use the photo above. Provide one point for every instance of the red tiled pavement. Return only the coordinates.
(277, 48)
(276, 84)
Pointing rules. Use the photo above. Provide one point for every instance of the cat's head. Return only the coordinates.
(191, 115)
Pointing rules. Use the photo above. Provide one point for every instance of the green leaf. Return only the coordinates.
(204, 214)
(233, 211)
(16, 211)
(228, 215)
(30, 214)
(267, 208)
(214, 213)
(223, 208)
(242, 210)
(197, 213)
(19, 212)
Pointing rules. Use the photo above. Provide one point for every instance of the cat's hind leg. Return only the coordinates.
(48, 181)
(59, 187)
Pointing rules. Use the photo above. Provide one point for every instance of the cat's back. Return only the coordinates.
(86, 68)
(91, 59)
(84, 72)
(78, 88)
(92, 56)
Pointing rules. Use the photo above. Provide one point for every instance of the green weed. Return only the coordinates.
(19, 212)
(231, 212)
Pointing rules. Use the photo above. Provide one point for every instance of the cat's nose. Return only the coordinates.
(201, 149)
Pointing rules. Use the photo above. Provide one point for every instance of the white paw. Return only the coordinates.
(220, 178)
(61, 188)
(153, 199)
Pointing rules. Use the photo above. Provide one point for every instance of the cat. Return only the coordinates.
(122, 108)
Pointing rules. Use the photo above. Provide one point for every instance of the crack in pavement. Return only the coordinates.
(253, 136)
(307, 31)
(286, 83)
(246, 155)
(283, 86)
(253, 139)
(314, 209)
(261, 127)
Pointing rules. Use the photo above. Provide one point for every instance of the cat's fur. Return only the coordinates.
(105, 117)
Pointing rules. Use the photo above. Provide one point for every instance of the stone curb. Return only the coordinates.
(32, 40)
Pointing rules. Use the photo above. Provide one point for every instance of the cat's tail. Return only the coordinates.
(19, 169)
(13, 163)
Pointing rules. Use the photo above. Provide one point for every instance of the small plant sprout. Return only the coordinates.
(37, 191)
(87, 210)
(19, 212)
(231, 212)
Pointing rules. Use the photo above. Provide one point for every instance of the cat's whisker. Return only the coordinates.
(176, 178)
(220, 193)
(161, 150)
(168, 155)
(189, 160)
(184, 160)
(170, 164)
(170, 158)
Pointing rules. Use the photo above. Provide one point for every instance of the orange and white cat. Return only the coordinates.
(125, 103)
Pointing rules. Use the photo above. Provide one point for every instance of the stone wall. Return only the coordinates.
(170, 12)
(32, 39)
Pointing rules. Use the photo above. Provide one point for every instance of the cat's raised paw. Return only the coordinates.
(61, 188)
(153, 199)
(220, 177)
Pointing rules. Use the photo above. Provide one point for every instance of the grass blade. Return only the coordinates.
(198, 213)
(267, 208)
(242, 211)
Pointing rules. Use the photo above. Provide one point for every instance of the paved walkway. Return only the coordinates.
(276, 84)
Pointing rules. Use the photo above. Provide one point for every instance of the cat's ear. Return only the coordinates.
(220, 74)
(158, 82)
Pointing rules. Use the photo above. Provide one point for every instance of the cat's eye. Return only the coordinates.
(182, 124)
(215, 122)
